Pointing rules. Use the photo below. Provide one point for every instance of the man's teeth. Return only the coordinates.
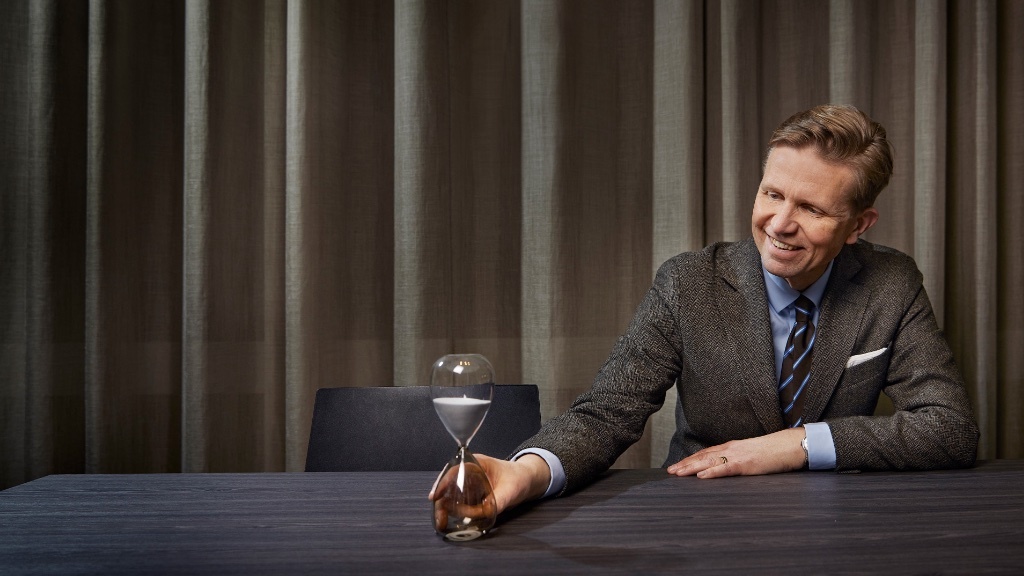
(781, 245)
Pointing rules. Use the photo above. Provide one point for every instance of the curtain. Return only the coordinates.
(211, 208)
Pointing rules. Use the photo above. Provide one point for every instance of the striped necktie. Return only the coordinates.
(796, 364)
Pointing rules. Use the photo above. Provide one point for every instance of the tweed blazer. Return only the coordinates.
(704, 327)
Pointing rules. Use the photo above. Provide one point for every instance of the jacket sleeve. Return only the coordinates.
(631, 385)
(933, 425)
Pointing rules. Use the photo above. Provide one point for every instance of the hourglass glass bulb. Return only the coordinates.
(461, 387)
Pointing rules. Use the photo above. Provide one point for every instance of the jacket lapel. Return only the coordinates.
(743, 307)
(842, 311)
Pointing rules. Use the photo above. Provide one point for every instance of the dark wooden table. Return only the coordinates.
(629, 522)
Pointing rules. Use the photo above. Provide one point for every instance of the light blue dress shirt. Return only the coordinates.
(821, 450)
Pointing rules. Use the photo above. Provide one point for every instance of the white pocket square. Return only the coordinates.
(862, 358)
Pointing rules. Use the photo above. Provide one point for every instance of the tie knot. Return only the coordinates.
(804, 308)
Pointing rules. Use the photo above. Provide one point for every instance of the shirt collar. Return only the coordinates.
(781, 295)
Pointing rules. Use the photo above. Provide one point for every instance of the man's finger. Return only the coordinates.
(440, 483)
(718, 465)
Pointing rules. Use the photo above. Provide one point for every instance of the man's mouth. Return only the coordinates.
(782, 245)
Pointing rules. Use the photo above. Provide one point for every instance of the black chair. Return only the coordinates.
(396, 428)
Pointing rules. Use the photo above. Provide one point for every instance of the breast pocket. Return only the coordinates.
(860, 385)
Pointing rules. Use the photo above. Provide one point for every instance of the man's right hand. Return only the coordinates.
(513, 482)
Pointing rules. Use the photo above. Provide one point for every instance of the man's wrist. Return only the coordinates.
(552, 473)
(803, 445)
(539, 474)
(821, 450)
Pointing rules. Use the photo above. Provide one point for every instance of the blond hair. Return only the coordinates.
(844, 135)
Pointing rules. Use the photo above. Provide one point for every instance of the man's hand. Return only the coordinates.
(513, 482)
(770, 454)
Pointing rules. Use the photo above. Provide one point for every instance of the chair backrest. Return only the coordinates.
(396, 428)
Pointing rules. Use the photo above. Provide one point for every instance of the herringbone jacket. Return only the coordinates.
(704, 327)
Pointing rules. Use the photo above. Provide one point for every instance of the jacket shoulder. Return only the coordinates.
(882, 264)
(707, 260)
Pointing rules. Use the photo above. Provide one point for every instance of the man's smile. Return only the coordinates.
(781, 245)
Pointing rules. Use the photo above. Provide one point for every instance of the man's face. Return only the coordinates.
(803, 214)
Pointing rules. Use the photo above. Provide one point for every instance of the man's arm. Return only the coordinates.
(631, 385)
(933, 425)
(781, 451)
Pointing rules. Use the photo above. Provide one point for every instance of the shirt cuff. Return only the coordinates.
(557, 483)
(821, 450)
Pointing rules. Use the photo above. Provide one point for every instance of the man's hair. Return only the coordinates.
(844, 135)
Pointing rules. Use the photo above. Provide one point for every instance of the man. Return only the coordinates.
(779, 345)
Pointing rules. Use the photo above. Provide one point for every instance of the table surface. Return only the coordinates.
(629, 521)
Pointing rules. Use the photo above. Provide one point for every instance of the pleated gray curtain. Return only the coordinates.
(212, 208)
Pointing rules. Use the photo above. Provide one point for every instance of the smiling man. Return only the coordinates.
(803, 216)
(779, 345)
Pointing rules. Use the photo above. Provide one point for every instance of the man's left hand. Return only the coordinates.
(769, 454)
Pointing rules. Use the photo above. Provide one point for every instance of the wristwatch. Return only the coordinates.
(803, 444)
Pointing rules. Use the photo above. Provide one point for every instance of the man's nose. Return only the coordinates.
(784, 221)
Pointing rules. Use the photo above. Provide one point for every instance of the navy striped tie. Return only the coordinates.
(796, 364)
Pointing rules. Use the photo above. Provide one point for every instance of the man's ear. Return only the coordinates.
(865, 221)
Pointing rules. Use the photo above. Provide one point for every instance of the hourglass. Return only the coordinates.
(461, 388)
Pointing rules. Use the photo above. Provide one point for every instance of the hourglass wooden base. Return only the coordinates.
(466, 508)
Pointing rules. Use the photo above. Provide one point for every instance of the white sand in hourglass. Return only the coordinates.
(461, 416)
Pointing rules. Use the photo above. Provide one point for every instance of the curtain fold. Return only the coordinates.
(134, 236)
(484, 210)
(340, 240)
(971, 282)
(928, 150)
(1008, 385)
(211, 209)
(232, 318)
(426, 265)
(39, 229)
(542, 136)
